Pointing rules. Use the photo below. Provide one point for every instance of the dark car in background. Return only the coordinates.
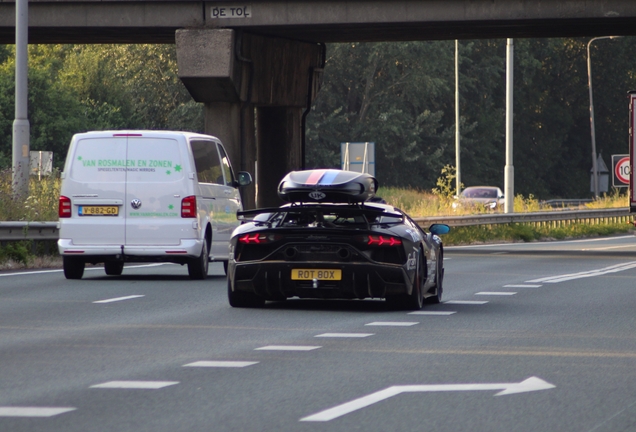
(331, 242)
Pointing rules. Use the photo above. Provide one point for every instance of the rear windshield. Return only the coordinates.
(120, 159)
(331, 218)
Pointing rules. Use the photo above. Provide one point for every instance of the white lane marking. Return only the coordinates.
(116, 299)
(9, 411)
(466, 302)
(495, 293)
(528, 385)
(345, 335)
(522, 286)
(608, 247)
(87, 269)
(525, 244)
(221, 364)
(147, 385)
(591, 273)
(432, 313)
(287, 348)
(392, 323)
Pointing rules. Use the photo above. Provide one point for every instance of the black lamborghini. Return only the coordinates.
(331, 241)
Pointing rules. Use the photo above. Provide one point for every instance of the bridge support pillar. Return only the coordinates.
(236, 74)
(279, 150)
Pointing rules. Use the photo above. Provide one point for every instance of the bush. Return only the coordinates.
(16, 251)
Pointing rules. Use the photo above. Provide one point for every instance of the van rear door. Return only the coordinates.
(96, 185)
(157, 182)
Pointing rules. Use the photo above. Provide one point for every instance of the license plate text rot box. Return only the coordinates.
(98, 210)
(319, 274)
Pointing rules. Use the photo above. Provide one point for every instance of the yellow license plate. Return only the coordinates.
(98, 210)
(319, 274)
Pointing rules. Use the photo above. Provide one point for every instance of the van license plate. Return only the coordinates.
(98, 210)
(319, 274)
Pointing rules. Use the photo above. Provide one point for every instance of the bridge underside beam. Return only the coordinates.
(135, 21)
(379, 32)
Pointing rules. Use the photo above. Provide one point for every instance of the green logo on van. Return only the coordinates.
(146, 165)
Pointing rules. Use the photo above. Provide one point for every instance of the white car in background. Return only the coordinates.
(490, 197)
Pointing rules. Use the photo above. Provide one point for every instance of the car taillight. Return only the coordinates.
(380, 240)
(189, 207)
(64, 209)
(258, 238)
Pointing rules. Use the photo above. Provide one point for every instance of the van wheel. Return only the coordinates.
(113, 268)
(198, 267)
(73, 267)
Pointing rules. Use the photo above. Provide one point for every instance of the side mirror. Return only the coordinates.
(439, 229)
(244, 178)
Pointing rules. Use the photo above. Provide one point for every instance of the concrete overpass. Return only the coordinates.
(260, 61)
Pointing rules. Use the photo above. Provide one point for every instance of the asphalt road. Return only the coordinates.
(550, 346)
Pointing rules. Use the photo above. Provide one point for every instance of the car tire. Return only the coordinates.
(114, 268)
(225, 267)
(439, 283)
(73, 267)
(415, 300)
(239, 299)
(198, 267)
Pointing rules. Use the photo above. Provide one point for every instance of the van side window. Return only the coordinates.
(206, 161)
(227, 169)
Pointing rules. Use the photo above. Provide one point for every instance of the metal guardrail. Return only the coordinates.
(14, 231)
(535, 218)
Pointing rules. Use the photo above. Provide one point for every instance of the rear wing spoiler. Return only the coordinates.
(351, 209)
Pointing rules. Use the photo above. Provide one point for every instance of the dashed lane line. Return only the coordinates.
(466, 302)
(221, 364)
(434, 313)
(392, 323)
(344, 335)
(144, 385)
(10, 411)
(116, 299)
(522, 286)
(496, 293)
(287, 348)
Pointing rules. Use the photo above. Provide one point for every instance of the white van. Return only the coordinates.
(147, 196)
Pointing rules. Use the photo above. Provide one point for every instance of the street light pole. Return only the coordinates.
(592, 130)
(21, 125)
(458, 172)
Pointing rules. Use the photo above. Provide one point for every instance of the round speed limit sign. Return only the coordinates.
(622, 171)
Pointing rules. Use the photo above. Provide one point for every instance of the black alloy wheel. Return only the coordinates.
(113, 268)
(73, 267)
(239, 299)
(415, 300)
(439, 282)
